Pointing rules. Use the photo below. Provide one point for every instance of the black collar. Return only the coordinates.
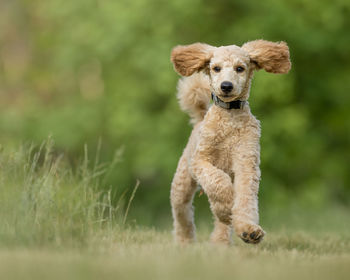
(236, 104)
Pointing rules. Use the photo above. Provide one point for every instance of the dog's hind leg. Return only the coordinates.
(183, 189)
(221, 233)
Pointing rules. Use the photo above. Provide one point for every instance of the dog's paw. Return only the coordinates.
(251, 234)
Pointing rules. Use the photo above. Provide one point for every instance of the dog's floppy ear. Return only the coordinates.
(273, 57)
(191, 58)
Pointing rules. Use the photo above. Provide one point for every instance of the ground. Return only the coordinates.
(148, 254)
(57, 223)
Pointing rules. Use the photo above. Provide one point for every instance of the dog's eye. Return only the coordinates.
(217, 69)
(239, 69)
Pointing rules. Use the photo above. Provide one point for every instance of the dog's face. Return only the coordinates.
(230, 68)
(229, 71)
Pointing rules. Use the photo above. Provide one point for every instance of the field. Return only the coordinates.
(148, 254)
(58, 223)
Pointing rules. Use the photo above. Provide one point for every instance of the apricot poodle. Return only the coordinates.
(223, 152)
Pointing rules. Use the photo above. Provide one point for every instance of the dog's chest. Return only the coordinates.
(228, 132)
(226, 137)
(224, 148)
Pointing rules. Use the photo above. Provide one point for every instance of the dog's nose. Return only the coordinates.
(226, 87)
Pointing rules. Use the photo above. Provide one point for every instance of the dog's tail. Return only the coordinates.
(194, 95)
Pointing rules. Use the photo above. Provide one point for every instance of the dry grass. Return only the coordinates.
(58, 224)
(147, 254)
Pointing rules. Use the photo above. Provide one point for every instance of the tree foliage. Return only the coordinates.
(88, 69)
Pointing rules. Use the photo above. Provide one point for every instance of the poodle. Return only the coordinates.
(222, 155)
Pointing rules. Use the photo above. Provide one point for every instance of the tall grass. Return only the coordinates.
(46, 205)
(43, 202)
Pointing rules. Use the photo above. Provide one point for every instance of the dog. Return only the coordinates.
(223, 152)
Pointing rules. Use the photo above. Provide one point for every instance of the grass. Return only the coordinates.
(148, 254)
(45, 203)
(56, 223)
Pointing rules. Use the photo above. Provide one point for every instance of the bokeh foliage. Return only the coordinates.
(86, 70)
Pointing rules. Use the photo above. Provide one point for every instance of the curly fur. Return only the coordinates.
(223, 152)
(194, 96)
(192, 58)
(273, 57)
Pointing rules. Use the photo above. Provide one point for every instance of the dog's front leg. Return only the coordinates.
(216, 184)
(246, 186)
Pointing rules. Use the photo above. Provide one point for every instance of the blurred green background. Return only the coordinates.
(86, 70)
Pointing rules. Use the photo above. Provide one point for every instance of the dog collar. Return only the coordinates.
(236, 104)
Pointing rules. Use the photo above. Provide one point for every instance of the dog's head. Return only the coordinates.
(230, 68)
